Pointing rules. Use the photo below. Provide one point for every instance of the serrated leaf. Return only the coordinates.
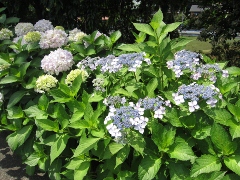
(34, 111)
(233, 70)
(17, 138)
(178, 171)
(15, 98)
(129, 47)
(144, 28)
(205, 164)
(82, 170)
(58, 146)
(211, 176)
(149, 167)
(235, 131)
(233, 163)
(95, 98)
(112, 149)
(151, 86)
(157, 19)
(136, 141)
(170, 27)
(222, 140)
(85, 145)
(235, 110)
(115, 36)
(47, 125)
(179, 42)
(33, 159)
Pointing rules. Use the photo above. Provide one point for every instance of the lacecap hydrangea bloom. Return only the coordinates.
(33, 36)
(45, 82)
(76, 35)
(194, 92)
(98, 84)
(43, 25)
(74, 73)
(5, 34)
(57, 61)
(23, 28)
(53, 39)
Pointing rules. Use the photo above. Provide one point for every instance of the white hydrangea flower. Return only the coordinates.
(74, 73)
(43, 25)
(53, 39)
(1, 97)
(45, 82)
(76, 35)
(212, 102)
(193, 106)
(23, 28)
(178, 98)
(5, 34)
(159, 113)
(225, 73)
(57, 61)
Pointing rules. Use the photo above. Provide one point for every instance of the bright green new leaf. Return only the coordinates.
(157, 19)
(112, 149)
(149, 167)
(233, 70)
(222, 140)
(235, 110)
(17, 138)
(74, 163)
(95, 98)
(58, 146)
(235, 131)
(130, 47)
(144, 28)
(82, 170)
(151, 86)
(233, 163)
(205, 164)
(47, 125)
(34, 111)
(33, 159)
(43, 102)
(15, 98)
(115, 36)
(76, 84)
(85, 145)
(170, 27)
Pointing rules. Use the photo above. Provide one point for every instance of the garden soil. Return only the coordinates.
(11, 167)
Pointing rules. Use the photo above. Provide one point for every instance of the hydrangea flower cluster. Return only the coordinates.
(74, 73)
(45, 82)
(53, 39)
(5, 34)
(33, 36)
(123, 118)
(187, 60)
(114, 100)
(157, 105)
(76, 35)
(98, 84)
(194, 92)
(114, 64)
(57, 61)
(1, 97)
(23, 28)
(43, 25)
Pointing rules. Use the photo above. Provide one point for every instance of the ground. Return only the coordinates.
(11, 167)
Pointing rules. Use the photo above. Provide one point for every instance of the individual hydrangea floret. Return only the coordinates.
(5, 34)
(74, 73)
(53, 39)
(194, 92)
(43, 25)
(33, 36)
(114, 64)
(23, 28)
(1, 97)
(98, 84)
(57, 61)
(45, 82)
(76, 35)
(114, 100)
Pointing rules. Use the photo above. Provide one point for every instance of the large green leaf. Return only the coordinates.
(34, 111)
(170, 27)
(82, 170)
(233, 70)
(151, 86)
(233, 163)
(8, 79)
(157, 19)
(112, 149)
(85, 145)
(115, 36)
(58, 146)
(222, 140)
(235, 110)
(144, 28)
(205, 164)
(33, 159)
(15, 98)
(11, 20)
(178, 170)
(129, 47)
(47, 125)
(17, 138)
(137, 141)
(235, 131)
(149, 167)
(76, 84)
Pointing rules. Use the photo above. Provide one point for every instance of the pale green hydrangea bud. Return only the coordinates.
(5, 34)
(74, 73)
(59, 28)
(45, 82)
(33, 36)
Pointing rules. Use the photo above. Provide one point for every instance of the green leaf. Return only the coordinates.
(76, 116)
(181, 150)
(55, 169)
(59, 96)
(112, 149)
(85, 145)
(233, 163)
(136, 141)
(34, 111)
(15, 112)
(219, 175)
(76, 84)
(33, 159)
(233, 70)
(47, 125)
(74, 163)
(151, 86)
(115, 36)
(144, 28)
(178, 171)
(17, 138)
(43, 102)
(79, 48)
(12, 20)
(157, 19)
(2, 9)
(58, 146)
(149, 167)
(163, 136)
(2, 18)
(170, 27)
(82, 170)
(222, 140)
(205, 164)
(23, 68)
(228, 87)
(95, 98)
(179, 42)
(235, 110)
(235, 131)
(8, 79)
(129, 48)
(15, 98)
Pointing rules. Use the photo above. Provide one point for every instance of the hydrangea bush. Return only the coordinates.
(80, 106)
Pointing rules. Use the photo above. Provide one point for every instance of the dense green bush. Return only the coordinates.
(84, 107)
